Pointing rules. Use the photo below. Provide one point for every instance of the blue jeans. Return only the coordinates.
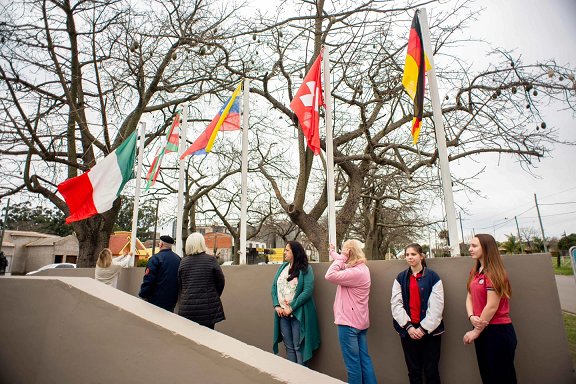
(355, 353)
(290, 329)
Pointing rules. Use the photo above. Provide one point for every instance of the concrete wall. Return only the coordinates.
(542, 353)
(38, 256)
(77, 330)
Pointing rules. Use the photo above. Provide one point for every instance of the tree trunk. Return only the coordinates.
(94, 235)
(316, 233)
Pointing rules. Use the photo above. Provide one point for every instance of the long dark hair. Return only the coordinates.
(418, 248)
(299, 260)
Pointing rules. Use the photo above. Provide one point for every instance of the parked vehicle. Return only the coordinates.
(52, 266)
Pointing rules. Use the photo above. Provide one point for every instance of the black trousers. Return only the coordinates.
(495, 348)
(422, 357)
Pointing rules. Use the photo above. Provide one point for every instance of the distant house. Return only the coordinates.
(218, 241)
(27, 251)
(52, 250)
(120, 245)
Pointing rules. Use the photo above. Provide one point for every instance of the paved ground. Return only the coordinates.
(567, 292)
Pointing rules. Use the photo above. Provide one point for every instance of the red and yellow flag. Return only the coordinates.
(414, 79)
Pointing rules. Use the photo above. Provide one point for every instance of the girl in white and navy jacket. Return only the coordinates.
(417, 304)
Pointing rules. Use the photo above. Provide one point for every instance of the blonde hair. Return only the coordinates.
(104, 258)
(195, 244)
(356, 253)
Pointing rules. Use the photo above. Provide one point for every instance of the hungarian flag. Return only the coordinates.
(172, 138)
(414, 79)
(227, 119)
(306, 105)
(95, 191)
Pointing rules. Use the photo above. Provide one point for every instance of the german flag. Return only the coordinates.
(414, 79)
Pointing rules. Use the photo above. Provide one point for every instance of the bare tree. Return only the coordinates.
(75, 86)
(77, 76)
(495, 110)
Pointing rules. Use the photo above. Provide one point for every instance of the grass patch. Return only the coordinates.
(565, 267)
(570, 327)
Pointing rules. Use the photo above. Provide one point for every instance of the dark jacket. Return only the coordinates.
(160, 284)
(431, 302)
(201, 282)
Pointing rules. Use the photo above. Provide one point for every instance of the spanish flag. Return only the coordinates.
(414, 79)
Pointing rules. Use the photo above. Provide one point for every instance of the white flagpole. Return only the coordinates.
(179, 211)
(142, 135)
(329, 151)
(440, 139)
(244, 177)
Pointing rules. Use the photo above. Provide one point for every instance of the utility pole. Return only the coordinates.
(542, 227)
(461, 230)
(519, 238)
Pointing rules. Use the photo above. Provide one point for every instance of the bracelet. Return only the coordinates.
(470, 317)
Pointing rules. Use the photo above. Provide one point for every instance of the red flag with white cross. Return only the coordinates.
(306, 104)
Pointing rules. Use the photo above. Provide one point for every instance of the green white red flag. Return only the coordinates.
(95, 191)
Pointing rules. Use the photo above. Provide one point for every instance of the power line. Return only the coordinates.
(566, 202)
(554, 214)
(557, 193)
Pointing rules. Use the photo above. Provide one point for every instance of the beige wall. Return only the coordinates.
(542, 354)
(77, 330)
(38, 256)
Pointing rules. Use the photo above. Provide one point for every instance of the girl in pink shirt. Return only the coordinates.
(350, 272)
(487, 304)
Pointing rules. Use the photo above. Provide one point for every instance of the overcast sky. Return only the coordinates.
(537, 30)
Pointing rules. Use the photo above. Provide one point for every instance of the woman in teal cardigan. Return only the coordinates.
(295, 319)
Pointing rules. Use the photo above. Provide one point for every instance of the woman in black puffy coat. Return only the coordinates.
(200, 284)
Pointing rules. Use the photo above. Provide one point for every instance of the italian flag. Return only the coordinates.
(95, 191)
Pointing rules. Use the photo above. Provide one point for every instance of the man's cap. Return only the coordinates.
(167, 239)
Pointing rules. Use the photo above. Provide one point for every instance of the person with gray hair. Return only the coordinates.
(200, 284)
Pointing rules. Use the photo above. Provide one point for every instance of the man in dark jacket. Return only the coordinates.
(160, 285)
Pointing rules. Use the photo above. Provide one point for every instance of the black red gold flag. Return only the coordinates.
(414, 78)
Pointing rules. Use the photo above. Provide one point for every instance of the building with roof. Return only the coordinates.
(15, 247)
(27, 251)
(51, 250)
(120, 245)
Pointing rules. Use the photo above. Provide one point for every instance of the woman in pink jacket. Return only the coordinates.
(350, 272)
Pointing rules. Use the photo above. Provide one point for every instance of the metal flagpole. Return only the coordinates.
(329, 151)
(244, 177)
(440, 139)
(136, 206)
(179, 211)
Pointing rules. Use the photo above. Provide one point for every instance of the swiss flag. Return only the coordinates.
(307, 102)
